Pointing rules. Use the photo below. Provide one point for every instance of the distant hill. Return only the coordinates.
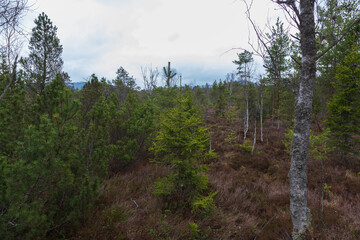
(76, 85)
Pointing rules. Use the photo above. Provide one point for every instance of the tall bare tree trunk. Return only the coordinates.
(278, 101)
(246, 120)
(273, 105)
(300, 213)
(254, 142)
(261, 114)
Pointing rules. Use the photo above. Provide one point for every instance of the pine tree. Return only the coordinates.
(44, 60)
(90, 94)
(96, 141)
(222, 97)
(47, 185)
(124, 83)
(12, 111)
(169, 75)
(244, 72)
(276, 63)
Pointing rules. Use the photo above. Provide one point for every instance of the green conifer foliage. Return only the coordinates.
(130, 128)
(44, 60)
(344, 106)
(169, 74)
(181, 144)
(90, 94)
(46, 183)
(223, 96)
(124, 83)
(96, 140)
(12, 109)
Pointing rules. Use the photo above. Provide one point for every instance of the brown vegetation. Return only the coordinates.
(252, 196)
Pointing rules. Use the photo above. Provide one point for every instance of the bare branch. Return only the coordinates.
(291, 10)
(260, 35)
(341, 37)
(231, 49)
(295, 60)
(150, 77)
(12, 77)
(11, 11)
(137, 206)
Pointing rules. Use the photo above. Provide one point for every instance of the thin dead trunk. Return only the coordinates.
(273, 105)
(278, 102)
(210, 143)
(278, 118)
(246, 121)
(11, 78)
(254, 142)
(321, 213)
(261, 114)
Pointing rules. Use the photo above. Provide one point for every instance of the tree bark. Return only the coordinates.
(261, 114)
(254, 141)
(300, 213)
(246, 93)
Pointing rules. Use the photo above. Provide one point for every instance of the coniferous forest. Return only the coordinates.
(172, 161)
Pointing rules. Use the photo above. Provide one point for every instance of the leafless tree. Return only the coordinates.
(11, 12)
(150, 77)
(301, 14)
(261, 108)
(254, 138)
(230, 79)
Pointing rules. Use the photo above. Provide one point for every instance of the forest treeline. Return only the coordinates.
(58, 144)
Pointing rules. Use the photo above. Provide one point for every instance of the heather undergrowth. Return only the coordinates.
(252, 200)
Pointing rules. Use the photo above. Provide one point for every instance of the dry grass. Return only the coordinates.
(252, 196)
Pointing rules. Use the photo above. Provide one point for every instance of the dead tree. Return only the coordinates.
(244, 71)
(261, 109)
(230, 78)
(150, 77)
(11, 12)
(254, 138)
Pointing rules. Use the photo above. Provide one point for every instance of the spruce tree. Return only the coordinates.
(344, 106)
(183, 143)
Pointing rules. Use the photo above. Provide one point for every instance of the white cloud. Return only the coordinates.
(98, 36)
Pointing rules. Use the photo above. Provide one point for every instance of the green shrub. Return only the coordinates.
(246, 146)
(204, 205)
(182, 143)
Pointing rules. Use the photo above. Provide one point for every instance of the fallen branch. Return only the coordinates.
(137, 206)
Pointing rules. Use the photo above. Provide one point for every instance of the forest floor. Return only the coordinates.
(252, 195)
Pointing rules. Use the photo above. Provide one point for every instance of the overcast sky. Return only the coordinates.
(99, 36)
